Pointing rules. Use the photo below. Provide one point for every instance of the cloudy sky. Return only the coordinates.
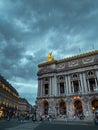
(29, 29)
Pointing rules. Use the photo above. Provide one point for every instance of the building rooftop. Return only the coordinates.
(68, 58)
(4, 81)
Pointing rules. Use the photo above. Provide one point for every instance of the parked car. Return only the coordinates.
(96, 117)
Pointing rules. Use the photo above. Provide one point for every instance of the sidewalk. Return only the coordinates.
(26, 126)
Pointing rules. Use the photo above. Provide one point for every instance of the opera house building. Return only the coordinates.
(68, 86)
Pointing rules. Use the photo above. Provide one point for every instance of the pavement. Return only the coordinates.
(25, 126)
(29, 125)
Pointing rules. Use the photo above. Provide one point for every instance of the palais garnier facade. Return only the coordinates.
(68, 86)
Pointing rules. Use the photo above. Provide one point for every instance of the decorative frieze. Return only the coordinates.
(88, 60)
(73, 63)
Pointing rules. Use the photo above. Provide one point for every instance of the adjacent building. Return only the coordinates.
(8, 98)
(24, 107)
(11, 105)
(68, 86)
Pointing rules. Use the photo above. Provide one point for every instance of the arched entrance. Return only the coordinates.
(78, 107)
(62, 107)
(46, 106)
(95, 104)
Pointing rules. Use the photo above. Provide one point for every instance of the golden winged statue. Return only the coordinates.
(50, 57)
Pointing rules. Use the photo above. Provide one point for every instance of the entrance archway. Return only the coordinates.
(46, 106)
(78, 107)
(62, 107)
(95, 104)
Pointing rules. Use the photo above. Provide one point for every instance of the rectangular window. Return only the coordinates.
(61, 88)
(92, 85)
(76, 86)
(46, 89)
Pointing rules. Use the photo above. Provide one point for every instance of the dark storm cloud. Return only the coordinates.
(29, 29)
(8, 30)
(67, 13)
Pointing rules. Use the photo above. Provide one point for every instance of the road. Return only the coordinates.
(66, 126)
(18, 125)
(8, 124)
(46, 125)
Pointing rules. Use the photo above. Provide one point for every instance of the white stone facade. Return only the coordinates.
(68, 86)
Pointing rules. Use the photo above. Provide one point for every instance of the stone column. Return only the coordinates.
(54, 85)
(85, 83)
(42, 89)
(51, 105)
(72, 87)
(56, 108)
(97, 78)
(81, 82)
(97, 74)
(80, 89)
(88, 85)
(69, 108)
(64, 88)
(96, 85)
(69, 82)
(38, 91)
(57, 89)
(66, 80)
(87, 108)
(90, 108)
(50, 87)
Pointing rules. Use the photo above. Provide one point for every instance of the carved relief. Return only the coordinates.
(73, 63)
(60, 78)
(88, 60)
(60, 66)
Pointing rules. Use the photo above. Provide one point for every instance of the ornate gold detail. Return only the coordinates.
(50, 57)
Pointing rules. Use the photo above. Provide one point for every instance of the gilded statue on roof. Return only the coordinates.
(50, 57)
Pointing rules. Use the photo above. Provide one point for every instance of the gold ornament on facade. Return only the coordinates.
(50, 57)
